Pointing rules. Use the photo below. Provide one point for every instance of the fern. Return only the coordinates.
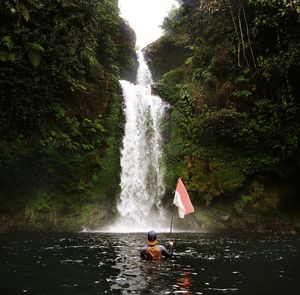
(36, 47)
(8, 42)
(11, 56)
(7, 56)
(24, 12)
(34, 53)
(34, 57)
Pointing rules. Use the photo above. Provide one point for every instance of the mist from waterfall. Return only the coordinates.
(142, 176)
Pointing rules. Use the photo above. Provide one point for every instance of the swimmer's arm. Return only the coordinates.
(143, 253)
(166, 253)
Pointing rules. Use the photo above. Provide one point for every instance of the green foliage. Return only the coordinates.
(229, 177)
(175, 151)
(60, 63)
(226, 126)
(241, 204)
(24, 12)
(7, 53)
(207, 199)
(235, 101)
(34, 53)
(39, 202)
(169, 86)
(64, 41)
(107, 179)
(8, 42)
(7, 56)
(166, 54)
(258, 198)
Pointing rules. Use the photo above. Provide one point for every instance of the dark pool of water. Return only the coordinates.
(95, 263)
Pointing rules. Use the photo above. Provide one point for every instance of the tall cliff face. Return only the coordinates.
(234, 96)
(61, 118)
(165, 55)
(127, 54)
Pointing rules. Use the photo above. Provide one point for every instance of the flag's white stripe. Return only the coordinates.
(177, 201)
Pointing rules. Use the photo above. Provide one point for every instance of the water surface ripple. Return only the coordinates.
(97, 263)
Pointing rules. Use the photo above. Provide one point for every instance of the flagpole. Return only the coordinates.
(171, 226)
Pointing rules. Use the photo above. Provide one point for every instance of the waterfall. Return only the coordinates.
(142, 177)
(142, 183)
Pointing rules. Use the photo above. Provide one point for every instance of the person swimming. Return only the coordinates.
(153, 251)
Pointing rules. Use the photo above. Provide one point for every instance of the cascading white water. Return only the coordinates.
(142, 176)
(142, 185)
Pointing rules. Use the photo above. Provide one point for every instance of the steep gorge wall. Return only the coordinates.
(233, 131)
(61, 117)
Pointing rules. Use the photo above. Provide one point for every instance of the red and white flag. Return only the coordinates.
(182, 200)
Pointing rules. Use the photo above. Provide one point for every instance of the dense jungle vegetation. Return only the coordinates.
(231, 72)
(60, 104)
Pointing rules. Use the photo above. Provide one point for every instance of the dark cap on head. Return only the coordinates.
(152, 235)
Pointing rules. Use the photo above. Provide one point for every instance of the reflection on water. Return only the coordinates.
(185, 282)
(87, 264)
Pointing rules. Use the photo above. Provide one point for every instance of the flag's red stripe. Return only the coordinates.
(185, 199)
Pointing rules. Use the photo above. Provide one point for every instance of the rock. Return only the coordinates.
(164, 55)
(225, 217)
(127, 55)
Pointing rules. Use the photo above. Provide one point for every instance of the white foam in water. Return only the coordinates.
(142, 185)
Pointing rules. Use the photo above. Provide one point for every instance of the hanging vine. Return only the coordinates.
(241, 28)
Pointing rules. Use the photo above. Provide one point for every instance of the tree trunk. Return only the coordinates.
(242, 37)
(237, 33)
(248, 37)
